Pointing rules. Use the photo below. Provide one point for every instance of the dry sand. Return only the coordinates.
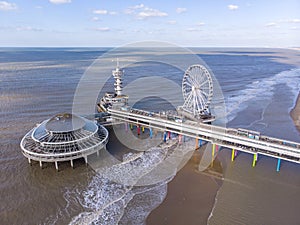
(191, 195)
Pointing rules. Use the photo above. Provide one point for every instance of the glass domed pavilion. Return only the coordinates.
(64, 137)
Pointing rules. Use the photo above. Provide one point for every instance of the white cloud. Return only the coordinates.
(143, 12)
(28, 28)
(192, 29)
(233, 7)
(132, 9)
(100, 12)
(95, 18)
(104, 12)
(172, 22)
(181, 10)
(60, 1)
(272, 24)
(293, 21)
(149, 12)
(7, 6)
(140, 6)
(102, 29)
(200, 24)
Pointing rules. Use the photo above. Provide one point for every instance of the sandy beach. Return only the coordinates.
(295, 113)
(191, 195)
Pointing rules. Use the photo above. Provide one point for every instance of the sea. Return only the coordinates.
(258, 89)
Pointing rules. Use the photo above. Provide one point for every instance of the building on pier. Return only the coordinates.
(64, 137)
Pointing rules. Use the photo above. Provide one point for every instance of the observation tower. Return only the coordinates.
(114, 99)
(64, 137)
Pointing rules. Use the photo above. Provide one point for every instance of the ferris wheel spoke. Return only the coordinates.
(201, 99)
(192, 81)
(205, 82)
(203, 93)
(187, 101)
(198, 109)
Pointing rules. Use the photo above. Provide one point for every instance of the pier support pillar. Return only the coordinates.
(200, 142)
(180, 138)
(138, 129)
(98, 153)
(213, 154)
(151, 132)
(71, 161)
(165, 136)
(232, 155)
(278, 165)
(85, 159)
(213, 151)
(56, 165)
(41, 164)
(254, 160)
(29, 161)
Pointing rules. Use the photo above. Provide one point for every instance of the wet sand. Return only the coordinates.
(191, 195)
(295, 113)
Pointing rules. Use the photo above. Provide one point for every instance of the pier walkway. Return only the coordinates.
(235, 139)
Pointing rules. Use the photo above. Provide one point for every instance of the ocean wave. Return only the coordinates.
(105, 199)
(262, 90)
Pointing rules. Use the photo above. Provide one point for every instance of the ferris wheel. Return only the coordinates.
(197, 89)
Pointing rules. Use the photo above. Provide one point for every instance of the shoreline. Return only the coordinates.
(295, 113)
(191, 195)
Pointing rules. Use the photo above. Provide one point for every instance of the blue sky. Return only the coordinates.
(209, 23)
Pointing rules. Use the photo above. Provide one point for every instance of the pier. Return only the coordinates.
(193, 120)
(66, 137)
(218, 136)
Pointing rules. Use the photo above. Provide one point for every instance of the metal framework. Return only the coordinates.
(197, 90)
(62, 138)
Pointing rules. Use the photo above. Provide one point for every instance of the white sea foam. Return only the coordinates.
(105, 200)
(262, 90)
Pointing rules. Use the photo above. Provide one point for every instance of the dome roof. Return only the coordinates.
(64, 122)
